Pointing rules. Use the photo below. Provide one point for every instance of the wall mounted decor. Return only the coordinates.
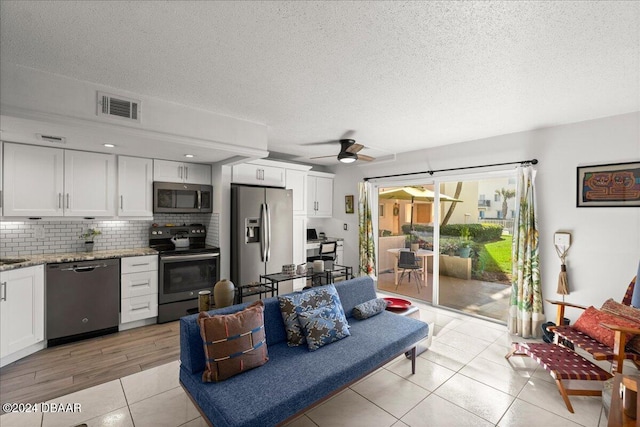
(616, 184)
(348, 204)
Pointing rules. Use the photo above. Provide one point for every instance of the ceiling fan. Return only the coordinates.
(349, 152)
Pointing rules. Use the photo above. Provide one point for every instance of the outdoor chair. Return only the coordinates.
(408, 263)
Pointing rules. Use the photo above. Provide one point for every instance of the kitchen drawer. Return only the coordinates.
(138, 308)
(138, 263)
(138, 284)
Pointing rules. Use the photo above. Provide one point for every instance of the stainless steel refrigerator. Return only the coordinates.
(261, 232)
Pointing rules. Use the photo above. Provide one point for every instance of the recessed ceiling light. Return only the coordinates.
(189, 155)
(109, 145)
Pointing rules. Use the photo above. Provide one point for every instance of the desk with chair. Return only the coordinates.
(312, 248)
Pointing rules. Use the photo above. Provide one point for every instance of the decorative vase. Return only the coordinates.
(415, 247)
(88, 246)
(224, 293)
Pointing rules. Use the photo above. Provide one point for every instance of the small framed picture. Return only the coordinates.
(348, 204)
(612, 185)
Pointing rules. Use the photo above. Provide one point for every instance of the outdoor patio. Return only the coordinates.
(486, 299)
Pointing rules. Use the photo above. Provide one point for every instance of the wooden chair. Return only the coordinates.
(599, 351)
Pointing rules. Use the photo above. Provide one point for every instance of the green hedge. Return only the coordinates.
(479, 232)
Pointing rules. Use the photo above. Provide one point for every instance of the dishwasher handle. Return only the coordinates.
(84, 268)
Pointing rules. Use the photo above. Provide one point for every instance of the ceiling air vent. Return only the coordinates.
(119, 107)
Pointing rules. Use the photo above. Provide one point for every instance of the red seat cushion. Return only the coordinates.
(589, 323)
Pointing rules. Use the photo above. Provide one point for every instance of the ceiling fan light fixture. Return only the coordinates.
(346, 157)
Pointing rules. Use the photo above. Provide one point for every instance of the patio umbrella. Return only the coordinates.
(418, 194)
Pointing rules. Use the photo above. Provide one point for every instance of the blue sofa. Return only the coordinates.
(295, 378)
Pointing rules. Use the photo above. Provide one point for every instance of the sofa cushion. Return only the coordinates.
(589, 323)
(293, 304)
(369, 308)
(323, 325)
(233, 343)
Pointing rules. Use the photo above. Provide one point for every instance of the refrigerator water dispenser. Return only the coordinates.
(252, 230)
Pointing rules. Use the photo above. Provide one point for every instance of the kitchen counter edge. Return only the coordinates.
(32, 260)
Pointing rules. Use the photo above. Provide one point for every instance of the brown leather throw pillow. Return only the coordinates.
(233, 343)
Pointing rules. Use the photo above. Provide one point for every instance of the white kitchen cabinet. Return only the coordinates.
(258, 174)
(21, 309)
(320, 195)
(135, 187)
(44, 181)
(89, 184)
(138, 290)
(297, 182)
(33, 180)
(189, 173)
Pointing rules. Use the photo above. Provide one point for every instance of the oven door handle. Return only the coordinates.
(194, 257)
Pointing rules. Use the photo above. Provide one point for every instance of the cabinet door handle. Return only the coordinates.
(179, 171)
(139, 265)
(146, 283)
(67, 200)
(121, 202)
(143, 307)
(59, 200)
(4, 291)
(186, 172)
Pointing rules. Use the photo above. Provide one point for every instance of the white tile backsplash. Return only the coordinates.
(24, 237)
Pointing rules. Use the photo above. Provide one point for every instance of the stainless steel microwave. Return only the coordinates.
(175, 197)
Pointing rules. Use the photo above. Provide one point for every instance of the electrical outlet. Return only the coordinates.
(562, 239)
(345, 227)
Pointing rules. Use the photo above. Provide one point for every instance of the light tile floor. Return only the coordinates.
(463, 379)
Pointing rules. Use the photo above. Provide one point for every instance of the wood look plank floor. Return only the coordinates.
(57, 371)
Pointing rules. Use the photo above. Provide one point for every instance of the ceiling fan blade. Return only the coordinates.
(354, 148)
(323, 157)
(365, 157)
(310, 144)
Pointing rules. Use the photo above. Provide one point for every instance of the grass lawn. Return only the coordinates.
(495, 257)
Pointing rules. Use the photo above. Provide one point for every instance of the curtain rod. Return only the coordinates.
(522, 163)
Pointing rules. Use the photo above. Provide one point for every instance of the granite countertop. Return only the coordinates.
(32, 260)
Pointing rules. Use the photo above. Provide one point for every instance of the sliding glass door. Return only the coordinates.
(474, 262)
(460, 233)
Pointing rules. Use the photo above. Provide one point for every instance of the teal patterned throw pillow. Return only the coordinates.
(291, 305)
(323, 326)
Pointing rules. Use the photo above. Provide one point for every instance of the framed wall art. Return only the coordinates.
(348, 204)
(612, 185)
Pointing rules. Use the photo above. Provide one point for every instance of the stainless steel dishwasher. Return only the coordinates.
(83, 300)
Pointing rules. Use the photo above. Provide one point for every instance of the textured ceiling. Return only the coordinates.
(400, 75)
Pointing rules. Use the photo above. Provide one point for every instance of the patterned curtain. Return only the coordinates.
(365, 227)
(526, 311)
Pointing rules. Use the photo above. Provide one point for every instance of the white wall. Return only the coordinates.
(605, 247)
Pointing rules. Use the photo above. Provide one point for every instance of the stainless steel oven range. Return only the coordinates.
(183, 270)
